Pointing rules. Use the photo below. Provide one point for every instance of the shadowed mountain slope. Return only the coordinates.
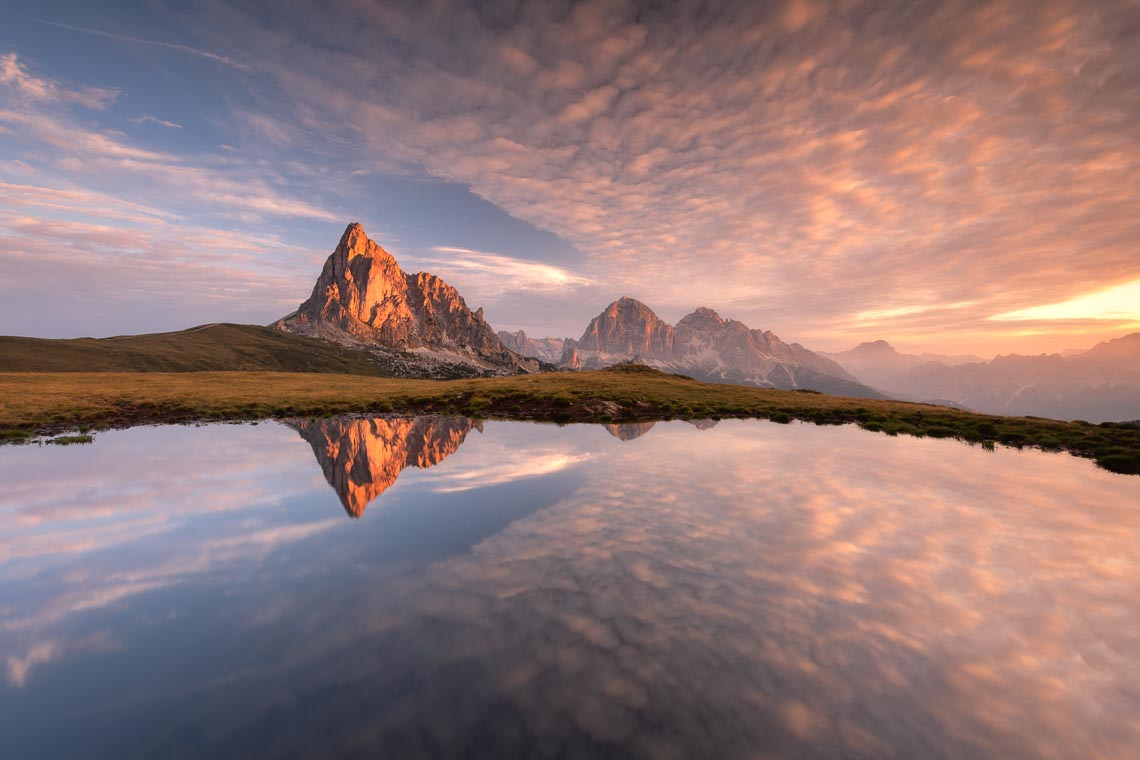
(204, 348)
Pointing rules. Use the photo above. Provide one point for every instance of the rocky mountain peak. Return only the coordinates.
(363, 297)
(702, 317)
(878, 346)
(706, 346)
(627, 327)
(546, 349)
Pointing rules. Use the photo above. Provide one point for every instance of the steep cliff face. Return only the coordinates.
(361, 458)
(363, 297)
(707, 347)
(626, 329)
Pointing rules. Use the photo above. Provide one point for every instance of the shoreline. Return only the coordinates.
(38, 404)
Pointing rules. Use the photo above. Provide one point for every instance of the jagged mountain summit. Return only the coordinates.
(363, 298)
(545, 349)
(707, 347)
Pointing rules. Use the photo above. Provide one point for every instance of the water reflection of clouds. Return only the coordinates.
(67, 503)
(839, 590)
(183, 503)
(790, 590)
(513, 465)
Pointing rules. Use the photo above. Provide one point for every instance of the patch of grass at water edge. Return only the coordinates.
(52, 403)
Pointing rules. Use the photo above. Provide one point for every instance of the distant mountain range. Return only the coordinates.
(1097, 385)
(876, 362)
(365, 315)
(703, 345)
(545, 349)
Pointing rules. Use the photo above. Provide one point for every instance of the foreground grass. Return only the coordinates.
(38, 403)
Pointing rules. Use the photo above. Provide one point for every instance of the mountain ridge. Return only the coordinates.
(544, 349)
(1098, 385)
(707, 347)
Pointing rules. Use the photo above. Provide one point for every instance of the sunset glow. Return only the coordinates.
(1121, 303)
(947, 176)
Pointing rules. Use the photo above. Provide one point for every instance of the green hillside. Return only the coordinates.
(214, 347)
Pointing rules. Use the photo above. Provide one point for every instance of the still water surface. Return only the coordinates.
(436, 587)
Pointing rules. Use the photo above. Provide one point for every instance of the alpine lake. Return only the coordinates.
(446, 587)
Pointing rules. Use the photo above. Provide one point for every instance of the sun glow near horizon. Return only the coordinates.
(1118, 303)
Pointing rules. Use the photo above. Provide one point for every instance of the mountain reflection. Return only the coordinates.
(361, 458)
(630, 431)
(775, 591)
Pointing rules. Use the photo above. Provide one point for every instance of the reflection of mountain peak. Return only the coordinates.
(362, 458)
(630, 431)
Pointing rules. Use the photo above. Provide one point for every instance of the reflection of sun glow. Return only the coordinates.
(1119, 302)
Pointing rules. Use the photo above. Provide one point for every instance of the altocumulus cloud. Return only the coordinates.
(795, 162)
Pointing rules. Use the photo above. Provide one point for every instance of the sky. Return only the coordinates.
(951, 176)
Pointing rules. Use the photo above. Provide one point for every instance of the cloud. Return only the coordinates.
(82, 153)
(501, 272)
(146, 118)
(18, 667)
(513, 466)
(801, 162)
(1117, 303)
(128, 267)
(24, 85)
(175, 46)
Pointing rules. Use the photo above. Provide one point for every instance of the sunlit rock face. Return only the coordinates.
(361, 458)
(707, 347)
(627, 329)
(363, 297)
(546, 349)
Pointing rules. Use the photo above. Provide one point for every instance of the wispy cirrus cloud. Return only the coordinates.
(147, 118)
(105, 156)
(132, 40)
(503, 272)
(22, 84)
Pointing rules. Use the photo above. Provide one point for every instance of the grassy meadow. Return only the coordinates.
(206, 348)
(34, 403)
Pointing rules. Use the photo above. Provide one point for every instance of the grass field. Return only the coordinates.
(32, 403)
(216, 347)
